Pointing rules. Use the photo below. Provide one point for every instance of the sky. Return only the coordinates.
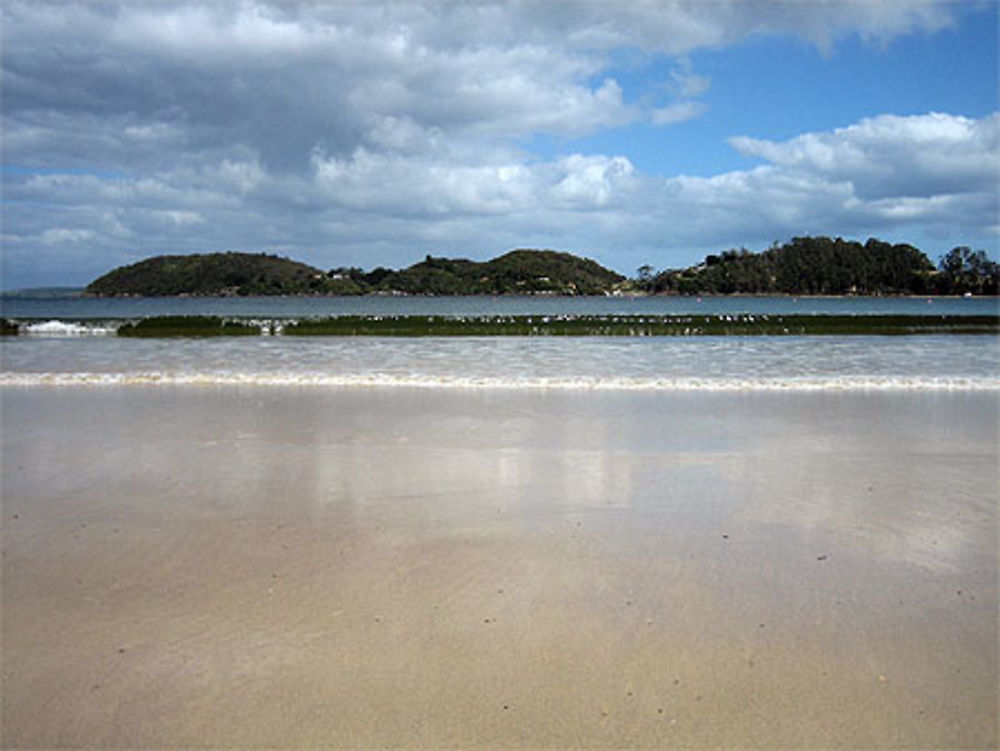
(372, 134)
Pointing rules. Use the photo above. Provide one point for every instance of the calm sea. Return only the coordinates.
(70, 341)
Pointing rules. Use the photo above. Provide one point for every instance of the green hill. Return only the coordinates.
(517, 272)
(211, 274)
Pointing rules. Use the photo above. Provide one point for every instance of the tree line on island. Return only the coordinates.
(825, 266)
(802, 266)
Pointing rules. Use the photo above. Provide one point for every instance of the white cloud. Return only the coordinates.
(179, 218)
(328, 129)
(677, 112)
(150, 132)
(919, 156)
(678, 27)
(402, 134)
(58, 235)
(282, 79)
(687, 82)
(591, 182)
(243, 175)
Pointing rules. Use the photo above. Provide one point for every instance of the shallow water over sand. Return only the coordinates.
(654, 363)
(341, 567)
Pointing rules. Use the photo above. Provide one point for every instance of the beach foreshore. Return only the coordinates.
(232, 566)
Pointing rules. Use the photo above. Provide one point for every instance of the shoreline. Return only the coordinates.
(394, 567)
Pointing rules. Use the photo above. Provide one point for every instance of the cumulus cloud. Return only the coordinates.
(129, 81)
(135, 81)
(374, 132)
(887, 156)
(928, 173)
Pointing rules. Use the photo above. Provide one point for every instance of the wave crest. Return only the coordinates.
(69, 328)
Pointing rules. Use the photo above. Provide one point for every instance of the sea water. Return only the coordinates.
(71, 341)
(87, 308)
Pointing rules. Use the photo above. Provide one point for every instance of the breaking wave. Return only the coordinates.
(69, 328)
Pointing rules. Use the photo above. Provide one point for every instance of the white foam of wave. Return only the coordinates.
(68, 328)
(379, 380)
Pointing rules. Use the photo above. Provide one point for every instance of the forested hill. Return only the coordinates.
(825, 266)
(517, 272)
(210, 274)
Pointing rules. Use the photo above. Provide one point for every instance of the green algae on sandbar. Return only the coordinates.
(642, 325)
(169, 326)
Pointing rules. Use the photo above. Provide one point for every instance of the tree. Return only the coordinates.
(965, 270)
(644, 277)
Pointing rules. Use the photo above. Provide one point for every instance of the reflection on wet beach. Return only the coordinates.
(382, 567)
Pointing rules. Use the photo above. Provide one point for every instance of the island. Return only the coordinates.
(802, 266)
(223, 274)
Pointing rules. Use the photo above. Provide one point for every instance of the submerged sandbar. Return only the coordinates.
(618, 325)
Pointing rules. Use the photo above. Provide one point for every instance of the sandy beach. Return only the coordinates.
(294, 567)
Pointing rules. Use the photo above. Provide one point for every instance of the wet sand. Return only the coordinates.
(289, 567)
